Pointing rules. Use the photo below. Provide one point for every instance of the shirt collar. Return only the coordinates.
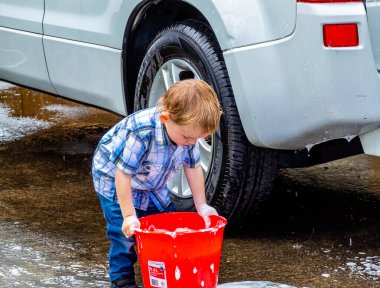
(162, 136)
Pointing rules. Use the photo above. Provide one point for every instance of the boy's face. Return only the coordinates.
(182, 135)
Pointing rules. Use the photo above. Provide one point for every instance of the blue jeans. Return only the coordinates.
(122, 255)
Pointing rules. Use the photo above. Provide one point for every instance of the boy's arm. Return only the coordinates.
(124, 195)
(196, 183)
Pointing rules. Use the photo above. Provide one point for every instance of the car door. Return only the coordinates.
(83, 47)
(22, 59)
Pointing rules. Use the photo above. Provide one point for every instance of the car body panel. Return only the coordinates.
(82, 40)
(103, 22)
(24, 15)
(22, 57)
(259, 21)
(373, 12)
(100, 22)
(83, 71)
(297, 95)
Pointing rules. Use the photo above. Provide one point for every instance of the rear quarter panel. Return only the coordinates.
(238, 23)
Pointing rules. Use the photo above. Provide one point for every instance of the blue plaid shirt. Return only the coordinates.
(139, 146)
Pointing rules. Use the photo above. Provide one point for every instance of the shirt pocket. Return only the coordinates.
(175, 169)
(153, 173)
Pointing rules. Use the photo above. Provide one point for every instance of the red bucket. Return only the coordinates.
(176, 250)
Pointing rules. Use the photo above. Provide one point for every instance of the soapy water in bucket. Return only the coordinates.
(173, 234)
(181, 230)
(177, 230)
(177, 250)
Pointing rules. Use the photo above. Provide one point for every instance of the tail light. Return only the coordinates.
(340, 35)
(328, 1)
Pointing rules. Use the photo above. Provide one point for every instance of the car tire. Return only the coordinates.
(239, 176)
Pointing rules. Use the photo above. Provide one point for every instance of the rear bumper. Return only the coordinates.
(294, 92)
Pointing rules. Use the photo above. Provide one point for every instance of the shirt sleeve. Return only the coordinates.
(192, 157)
(127, 154)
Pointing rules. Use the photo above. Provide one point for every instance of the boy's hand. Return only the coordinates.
(205, 211)
(129, 225)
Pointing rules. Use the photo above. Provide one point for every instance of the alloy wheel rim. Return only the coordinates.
(169, 73)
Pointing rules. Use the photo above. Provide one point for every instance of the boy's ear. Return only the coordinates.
(164, 116)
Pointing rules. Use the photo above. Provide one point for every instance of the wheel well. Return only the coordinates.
(146, 21)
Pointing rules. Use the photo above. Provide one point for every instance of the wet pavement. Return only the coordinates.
(321, 228)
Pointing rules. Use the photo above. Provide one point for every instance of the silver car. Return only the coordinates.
(299, 81)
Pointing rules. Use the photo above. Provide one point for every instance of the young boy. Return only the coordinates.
(136, 158)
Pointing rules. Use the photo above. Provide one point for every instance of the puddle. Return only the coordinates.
(364, 266)
(24, 112)
(15, 128)
(5, 85)
(30, 259)
(22, 102)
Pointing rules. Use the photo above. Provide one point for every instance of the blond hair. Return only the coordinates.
(192, 102)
